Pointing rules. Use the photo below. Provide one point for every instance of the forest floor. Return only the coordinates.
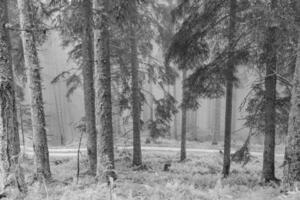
(199, 177)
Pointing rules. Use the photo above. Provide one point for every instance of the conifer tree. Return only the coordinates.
(102, 37)
(10, 142)
(40, 144)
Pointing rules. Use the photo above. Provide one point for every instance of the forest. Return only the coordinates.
(150, 99)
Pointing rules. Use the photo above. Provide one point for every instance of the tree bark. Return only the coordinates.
(229, 88)
(183, 121)
(217, 122)
(136, 101)
(292, 151)
(88, 84)
(40, 145)
(105, 142)
(291, 170)
(9, 133)
(270, 97)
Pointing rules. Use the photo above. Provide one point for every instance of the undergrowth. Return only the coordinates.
(199, 177)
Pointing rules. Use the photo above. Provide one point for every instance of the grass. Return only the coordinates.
(199, 177)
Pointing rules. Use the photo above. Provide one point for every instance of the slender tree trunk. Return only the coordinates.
(175, 115)
(217, 124)
(105, 152)
(136, 101)
(9, 133)
(234, 109)
(291, 170)
(88, 84)
(183, 121)
(229, 88)
(40, 145)
(270, 97)
(22, 128)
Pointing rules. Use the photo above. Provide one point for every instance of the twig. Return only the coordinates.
(46, 189)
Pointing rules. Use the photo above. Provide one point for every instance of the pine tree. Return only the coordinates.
(292, 150)
(270, 98)
(136, 100)
(183, 119)
(229, 86)
(88, 83)
(40, 145)
(103, 88)
(10, 142)
(217, 121)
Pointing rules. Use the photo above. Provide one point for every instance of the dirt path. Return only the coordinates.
(71, 152)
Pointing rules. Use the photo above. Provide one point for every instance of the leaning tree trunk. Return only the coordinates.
(183, 121)
(229, 88)
(291, 170)
(270, 98)
(136, 101)
(40, 145)
(103, 90)
(88, 84)
(10, 142)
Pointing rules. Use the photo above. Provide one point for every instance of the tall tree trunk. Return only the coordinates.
(136, 101)
(183, 121)
(217, 124)
(103, 105)
(40, 145)
(88, 84)
(270, 97)
(291, 170)
(10, 142)
(229, 88)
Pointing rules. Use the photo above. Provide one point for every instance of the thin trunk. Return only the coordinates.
(217, 122)
(88, 84)
(40, 145)
(136, 101)
(209, 116)
(291, 170)
(183, 122)
(105, 144)
(9, 134)
(234, 109)
(270, 97)
(22, 128)
(175, 116)
(229, 88)
(57, 114)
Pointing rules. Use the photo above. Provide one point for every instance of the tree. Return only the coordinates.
(217, 121)
(183, 120)
(270, 97)
(88, 83)
(229, 86)
(136, 100)
(103, 88)
(292, 149)
(10, 142)
(40, 146)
